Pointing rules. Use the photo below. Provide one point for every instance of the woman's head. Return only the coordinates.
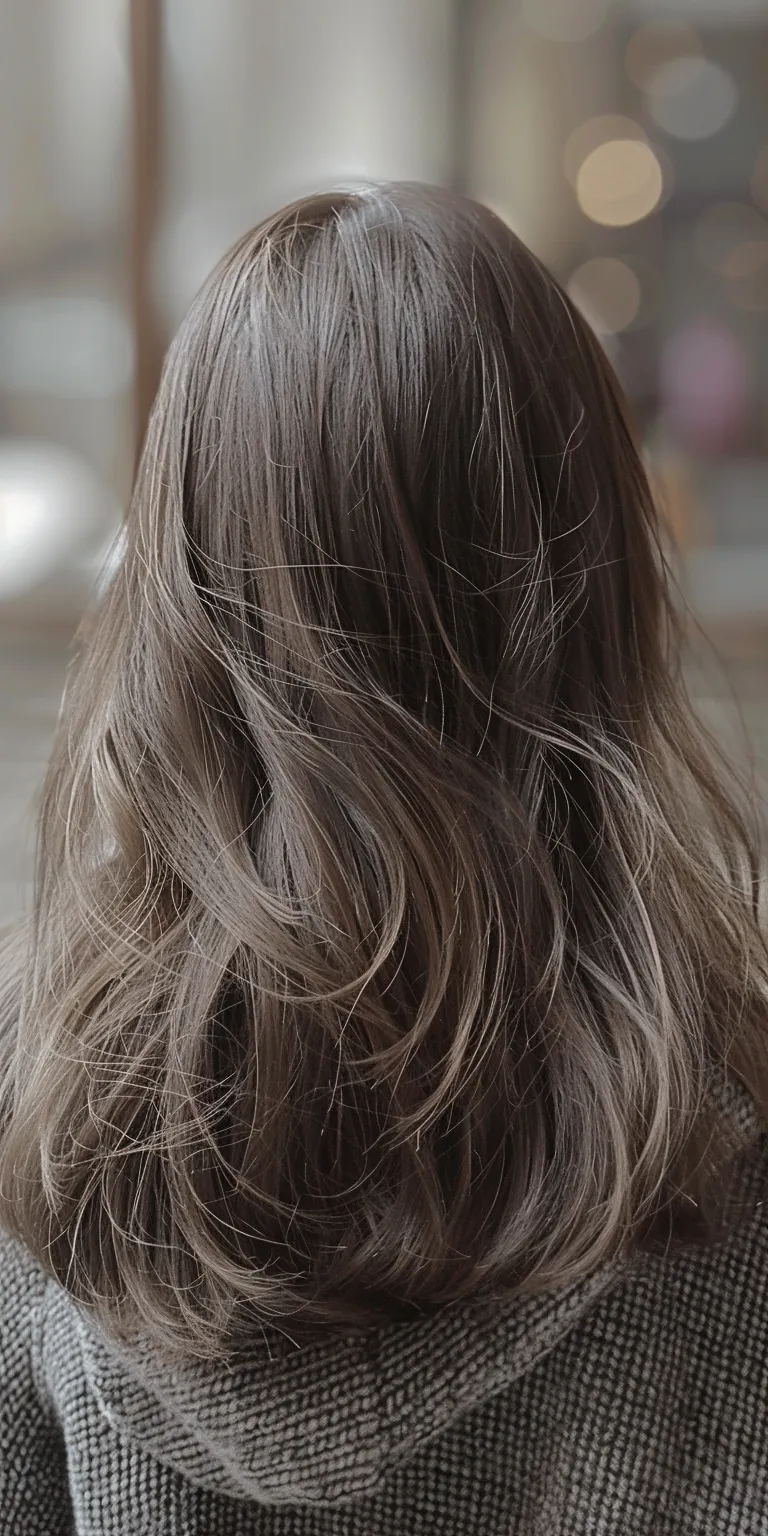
(388, 415)
(393, 928)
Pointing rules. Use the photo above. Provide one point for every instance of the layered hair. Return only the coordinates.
(396, 923)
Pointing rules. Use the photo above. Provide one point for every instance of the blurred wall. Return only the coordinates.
(267, 102)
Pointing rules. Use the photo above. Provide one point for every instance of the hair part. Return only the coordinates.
(395, 924)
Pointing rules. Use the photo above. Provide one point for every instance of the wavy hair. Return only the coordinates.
(396, 922)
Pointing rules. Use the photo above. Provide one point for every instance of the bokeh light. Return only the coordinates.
(656, 44)
(620, 182)
(565, 21)
(758, 184)
(593, 132)
(747, 277)
(691, 97)
(746, 259)
(51, 504)
(724, 228)
(608, 293)
(704, 379)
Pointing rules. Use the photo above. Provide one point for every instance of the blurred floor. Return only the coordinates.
(32, 674)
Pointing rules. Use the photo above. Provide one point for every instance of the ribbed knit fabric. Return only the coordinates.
(633, 1404)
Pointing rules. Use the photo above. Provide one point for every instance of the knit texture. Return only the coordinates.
(632, 1404)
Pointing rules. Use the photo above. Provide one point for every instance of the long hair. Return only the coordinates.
(396, 927)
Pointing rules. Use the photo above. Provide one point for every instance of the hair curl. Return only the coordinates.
(395, 923)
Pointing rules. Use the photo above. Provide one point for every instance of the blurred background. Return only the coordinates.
(625, 140)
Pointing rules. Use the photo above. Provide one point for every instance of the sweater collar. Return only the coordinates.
(324, 1422)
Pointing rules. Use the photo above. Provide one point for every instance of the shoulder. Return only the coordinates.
(699, 1313)
(34, 1492)
(23, 1286)
(22, 1280)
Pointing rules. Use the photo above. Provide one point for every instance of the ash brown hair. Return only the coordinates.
(395, 925)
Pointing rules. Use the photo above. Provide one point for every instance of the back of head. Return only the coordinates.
(395, 929)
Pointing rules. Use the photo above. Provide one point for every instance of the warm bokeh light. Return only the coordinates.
(758, 184)
(724, 228)
(620, 182)
(657, 44)
(691, 97)
(565, 21)
(747, 288)
(594, 132)
(743, 260)
(608, 293)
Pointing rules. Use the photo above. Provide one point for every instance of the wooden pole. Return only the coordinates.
(146, 187)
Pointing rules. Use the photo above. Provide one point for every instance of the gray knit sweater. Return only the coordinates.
(633, 1404)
